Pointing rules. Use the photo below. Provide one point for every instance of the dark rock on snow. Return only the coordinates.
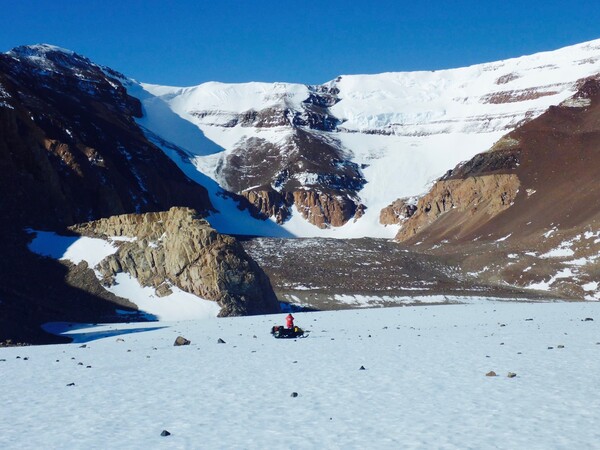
(181, 341)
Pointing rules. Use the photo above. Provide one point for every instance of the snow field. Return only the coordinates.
(433, 121)
(424, 385)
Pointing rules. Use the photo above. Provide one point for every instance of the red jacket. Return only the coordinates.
(289, 321)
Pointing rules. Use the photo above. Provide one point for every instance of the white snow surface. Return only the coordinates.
(433, 121)
(179, 305)
(423, 387)
(72, 248)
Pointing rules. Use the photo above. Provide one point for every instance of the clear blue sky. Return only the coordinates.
(188, 42)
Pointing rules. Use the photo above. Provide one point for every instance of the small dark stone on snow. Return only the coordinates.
(165, 433)
(528, 319)
(80, 364)
(491, 374)
(501, 343)
(25, 359)
(254, 337)
(588, 319)
(221, 341)
(560, 346)
(362, 368)
(550, 348)
(83, 346)
(18, 357)
(511, 375)
(71, 384)
(181, 341)
(294, 394)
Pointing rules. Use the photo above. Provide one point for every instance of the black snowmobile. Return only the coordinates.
(280, 332)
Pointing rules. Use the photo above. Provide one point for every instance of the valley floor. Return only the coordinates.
(331, 274)
(424, 383)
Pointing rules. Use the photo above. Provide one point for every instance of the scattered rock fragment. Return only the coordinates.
(491, 373)
(221, 341)
(83, 346)
(560, 346)
(511, 375)
(165, 433)
(550, 348)
(588, 319)
(181, 341)
(120, 340)
(71, 384)
(294, 394)
(528, 319)
(362, 368)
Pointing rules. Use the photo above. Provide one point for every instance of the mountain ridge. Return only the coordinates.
(397, 143)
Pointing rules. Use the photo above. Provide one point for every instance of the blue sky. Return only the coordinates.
(189, 42)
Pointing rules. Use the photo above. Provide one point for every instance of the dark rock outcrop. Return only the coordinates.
(397, 212)
(275, 177)
(178, 248)
(70, 151)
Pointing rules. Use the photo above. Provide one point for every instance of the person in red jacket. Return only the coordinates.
(289, 321)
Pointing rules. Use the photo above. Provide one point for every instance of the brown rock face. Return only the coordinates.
(284, 174)
(475, 199)
(270, 203)
(70, 149)
(322, 209)
(178, 248)
(319, 208)
(397, 212)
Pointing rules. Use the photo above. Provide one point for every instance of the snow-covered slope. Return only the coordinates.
(403, 130)
(424, 383)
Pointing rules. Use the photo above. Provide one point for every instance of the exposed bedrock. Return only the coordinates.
(177, 248)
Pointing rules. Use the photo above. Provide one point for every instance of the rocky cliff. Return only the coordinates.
(309, 171)
(70, 149)
(397, 212)
(178, 248)
(527, 212)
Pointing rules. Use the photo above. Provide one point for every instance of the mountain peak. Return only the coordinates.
(38, 50)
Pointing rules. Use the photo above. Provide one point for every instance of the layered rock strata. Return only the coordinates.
(178, 248)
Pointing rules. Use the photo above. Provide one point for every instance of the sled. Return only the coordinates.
(280, 332)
